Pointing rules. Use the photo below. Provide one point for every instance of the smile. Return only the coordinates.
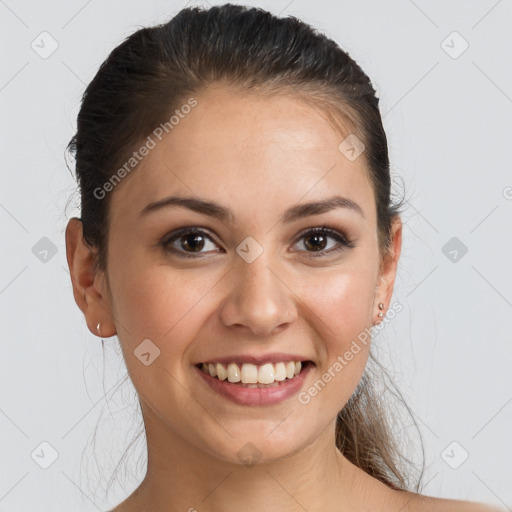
(251, 384)
(249, 373)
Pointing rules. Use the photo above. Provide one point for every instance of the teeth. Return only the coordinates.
(279, 371)
(222, 373)
(249, 373)
(233, 372)
(266, 374)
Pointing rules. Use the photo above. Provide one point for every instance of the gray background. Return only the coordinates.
(447, 115)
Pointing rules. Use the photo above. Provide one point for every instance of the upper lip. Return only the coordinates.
(258, 360)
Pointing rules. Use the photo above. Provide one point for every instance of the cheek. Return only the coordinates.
(339, 309)
(168, 308)
(161, 304)
(341, 302)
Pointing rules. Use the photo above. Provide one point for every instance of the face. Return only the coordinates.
(255, 283)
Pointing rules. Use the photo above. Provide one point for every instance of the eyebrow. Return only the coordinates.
(222, 213)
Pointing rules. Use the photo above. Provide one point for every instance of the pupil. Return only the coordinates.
(195, 245)
(316, 237)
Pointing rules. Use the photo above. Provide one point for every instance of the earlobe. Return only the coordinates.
(88, 285)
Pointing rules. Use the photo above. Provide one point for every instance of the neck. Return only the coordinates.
(181, 477)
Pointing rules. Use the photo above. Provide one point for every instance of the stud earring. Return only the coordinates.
(98, 329)
(381, 306)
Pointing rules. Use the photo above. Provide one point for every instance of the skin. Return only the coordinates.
(256, 156)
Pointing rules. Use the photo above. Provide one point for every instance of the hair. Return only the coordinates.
(155, 69)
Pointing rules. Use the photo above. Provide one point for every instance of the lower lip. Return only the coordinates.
(257, 396)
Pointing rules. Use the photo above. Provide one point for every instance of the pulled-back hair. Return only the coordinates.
(154, 70)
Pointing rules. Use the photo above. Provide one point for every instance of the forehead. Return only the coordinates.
(246, 148)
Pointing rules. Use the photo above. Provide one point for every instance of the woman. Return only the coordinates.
(237, 235)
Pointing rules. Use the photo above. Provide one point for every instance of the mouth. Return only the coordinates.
(249, 375)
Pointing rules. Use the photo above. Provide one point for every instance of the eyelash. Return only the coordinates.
(342, 240)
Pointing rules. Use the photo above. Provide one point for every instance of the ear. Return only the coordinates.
(89, 284)
(389, 265)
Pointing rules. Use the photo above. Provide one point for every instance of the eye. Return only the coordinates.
(315, 240)
(189, 242)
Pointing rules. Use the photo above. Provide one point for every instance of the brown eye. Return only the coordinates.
(316, 240)
(192, 242)
(189, 243)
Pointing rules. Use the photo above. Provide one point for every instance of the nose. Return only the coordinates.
(259, 301)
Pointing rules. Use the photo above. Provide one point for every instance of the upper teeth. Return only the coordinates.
(251, 374)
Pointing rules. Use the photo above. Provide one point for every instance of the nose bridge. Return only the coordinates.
(258, 299)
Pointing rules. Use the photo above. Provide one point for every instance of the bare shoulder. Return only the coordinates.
(412, 502)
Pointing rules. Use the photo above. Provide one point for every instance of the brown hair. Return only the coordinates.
(145, 78)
